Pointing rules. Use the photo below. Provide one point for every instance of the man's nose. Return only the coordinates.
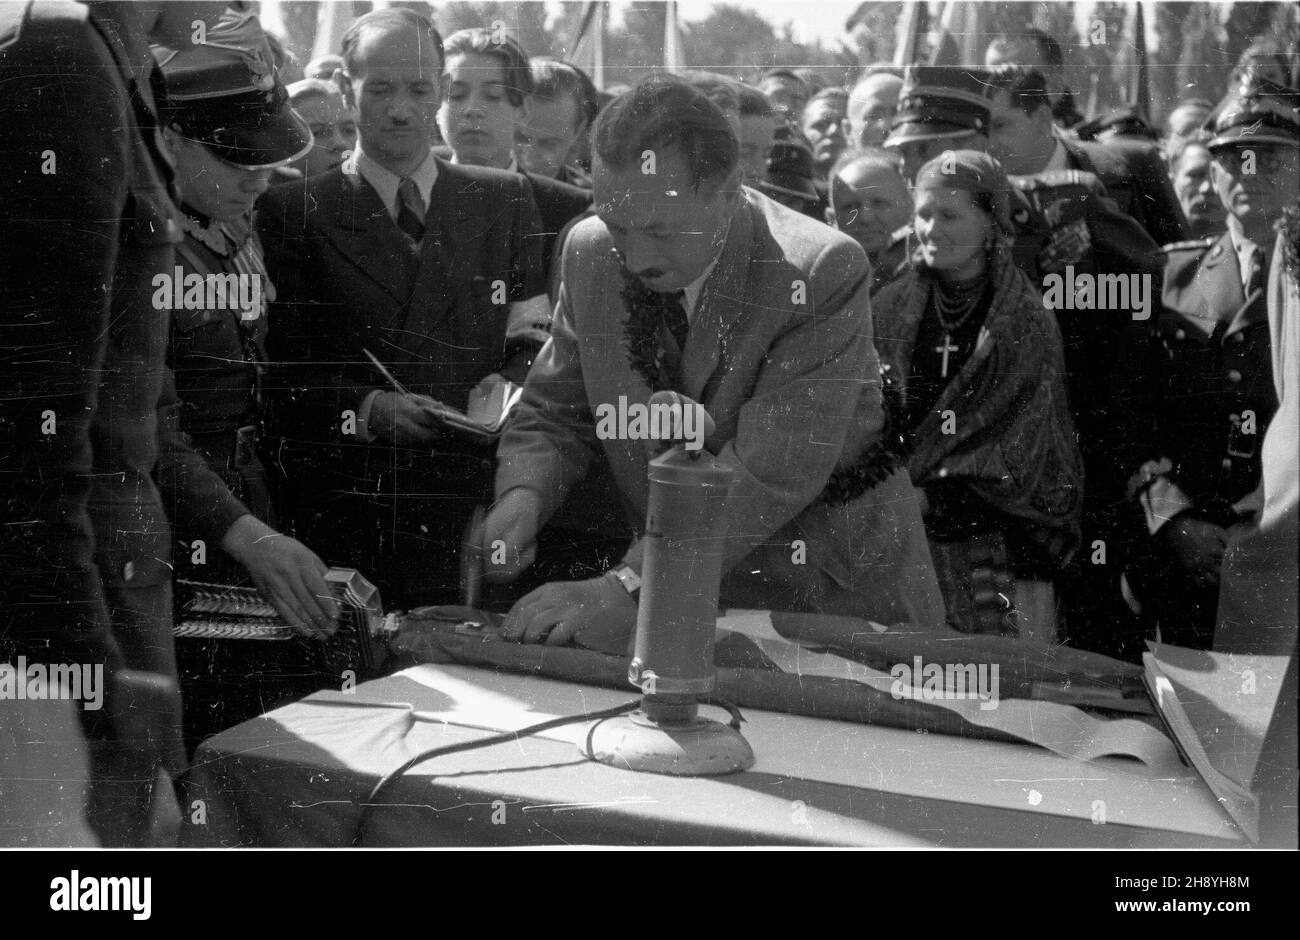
(400, 108)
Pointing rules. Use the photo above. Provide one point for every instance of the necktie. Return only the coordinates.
(675, 317)
(410, 209)
(1257, 277)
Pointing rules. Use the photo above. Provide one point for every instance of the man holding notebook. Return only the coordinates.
(401, 279)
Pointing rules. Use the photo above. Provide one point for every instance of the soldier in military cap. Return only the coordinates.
(1198, 378)
(228, 124)
(939, 108)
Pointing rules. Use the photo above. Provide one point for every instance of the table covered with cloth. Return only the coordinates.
(301, 775)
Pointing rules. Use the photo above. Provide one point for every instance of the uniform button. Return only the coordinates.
(1238, 337)
(1180, 334)
(1227, 463)
(128, 571)
(1234, 375)
(943, 472)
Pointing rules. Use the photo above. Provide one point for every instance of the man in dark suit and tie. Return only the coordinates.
(432, 268)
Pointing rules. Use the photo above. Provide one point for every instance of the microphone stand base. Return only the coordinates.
(695, 748)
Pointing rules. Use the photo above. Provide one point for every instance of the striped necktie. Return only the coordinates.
(410, 209)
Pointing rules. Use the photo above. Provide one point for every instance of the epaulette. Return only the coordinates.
(1191, 243)
(1053, 178)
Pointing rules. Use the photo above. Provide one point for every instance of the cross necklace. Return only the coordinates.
(962, 308)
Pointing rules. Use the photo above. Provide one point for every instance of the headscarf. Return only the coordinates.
(978, 174)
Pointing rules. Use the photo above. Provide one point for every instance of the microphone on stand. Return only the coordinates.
(677, 612)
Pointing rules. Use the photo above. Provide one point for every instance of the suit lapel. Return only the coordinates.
(366, 235)
(721, 308)
(455, 212)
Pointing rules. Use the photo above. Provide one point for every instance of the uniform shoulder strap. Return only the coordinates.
(1189, 244)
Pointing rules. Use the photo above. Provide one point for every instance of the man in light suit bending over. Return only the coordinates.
(690, 283)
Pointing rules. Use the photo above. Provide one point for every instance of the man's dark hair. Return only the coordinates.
(753, 103)
(718, 88)
(835, 94)
(393, 18)
(1049, 50)
(783, 73)
(1177, 146)
(553, 80)
(663, 112)
(517, 71)
(1025, 87)
(813, 79)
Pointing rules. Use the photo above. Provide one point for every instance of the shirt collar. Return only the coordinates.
(385, 181)
(511, 167)
(1243, 247)
(691, 292)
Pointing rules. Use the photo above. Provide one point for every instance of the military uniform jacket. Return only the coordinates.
(1197, 383)
(87, 410)
(218, 356)
(1067, 225)
(1136, 178)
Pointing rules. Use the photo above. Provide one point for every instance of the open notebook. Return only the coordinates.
(485, 414)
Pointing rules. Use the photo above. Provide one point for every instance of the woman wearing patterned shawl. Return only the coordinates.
(978, 361)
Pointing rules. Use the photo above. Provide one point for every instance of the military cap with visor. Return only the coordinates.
(941, 102)
(224, 93)
(1257, 111)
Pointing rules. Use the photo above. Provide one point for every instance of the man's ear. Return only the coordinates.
(344, 84)
(831, 218)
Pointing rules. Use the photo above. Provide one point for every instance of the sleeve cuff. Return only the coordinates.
(363, 416)
(529, 320)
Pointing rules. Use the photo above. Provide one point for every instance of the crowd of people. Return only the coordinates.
(977, 364)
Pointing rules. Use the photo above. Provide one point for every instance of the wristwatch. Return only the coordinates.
(627, 578)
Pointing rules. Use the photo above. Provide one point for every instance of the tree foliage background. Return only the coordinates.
(1195, 44)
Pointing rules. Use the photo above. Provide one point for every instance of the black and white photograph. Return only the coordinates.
(628, 425)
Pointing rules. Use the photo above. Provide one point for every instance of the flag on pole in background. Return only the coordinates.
(912, 27)
(960, 39)
(332, 21)
(588, 49)
(1132, 65)
(674, 61)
